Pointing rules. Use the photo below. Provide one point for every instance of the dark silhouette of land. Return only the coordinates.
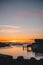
(8, 60)
(2, 44)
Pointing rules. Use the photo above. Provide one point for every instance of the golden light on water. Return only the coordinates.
(30, 49)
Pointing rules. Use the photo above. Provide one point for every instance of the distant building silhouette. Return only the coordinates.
(38, 45)
(39, 42)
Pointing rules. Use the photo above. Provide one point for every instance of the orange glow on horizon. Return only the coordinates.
(21, 39)
(18, 40)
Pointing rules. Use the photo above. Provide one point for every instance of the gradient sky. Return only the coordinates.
(21, 20)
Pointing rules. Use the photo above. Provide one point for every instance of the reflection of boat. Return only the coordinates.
(28, 49)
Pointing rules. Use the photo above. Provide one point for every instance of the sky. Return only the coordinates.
(21, 20)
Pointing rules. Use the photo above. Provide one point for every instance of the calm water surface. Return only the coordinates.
(16, 51)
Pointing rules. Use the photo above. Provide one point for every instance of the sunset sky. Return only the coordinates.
(21, 20)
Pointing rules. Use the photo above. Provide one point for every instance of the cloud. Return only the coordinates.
(10, 26)
(9, 31)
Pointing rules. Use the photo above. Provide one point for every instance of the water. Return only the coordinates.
(16, 51)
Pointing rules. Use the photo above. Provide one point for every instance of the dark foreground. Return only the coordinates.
(8, 60)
